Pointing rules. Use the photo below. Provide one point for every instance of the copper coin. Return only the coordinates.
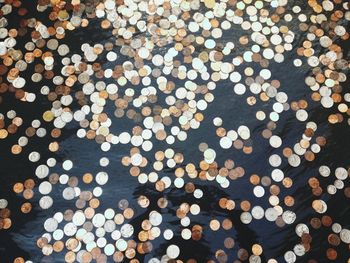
(58, 246)
(331, 254)
(26, 207)
(334, 239)
(29, 184)
(18, 188)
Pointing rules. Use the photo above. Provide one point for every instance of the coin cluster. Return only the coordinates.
(148, 82)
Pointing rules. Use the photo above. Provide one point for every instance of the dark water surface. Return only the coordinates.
(20, 240)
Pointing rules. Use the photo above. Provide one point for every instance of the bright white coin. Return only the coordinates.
(173, 251)
(225, 142)
(271, 214)
(50, 224)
